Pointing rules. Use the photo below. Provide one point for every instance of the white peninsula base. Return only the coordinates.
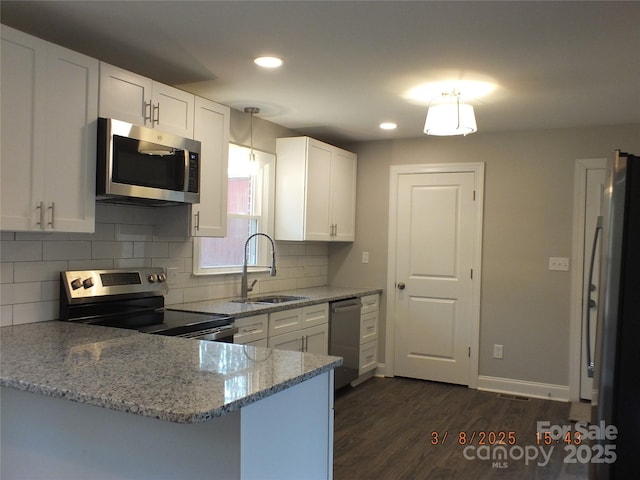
(288, 435)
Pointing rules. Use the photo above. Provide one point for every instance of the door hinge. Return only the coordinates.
(474, 195)
(472, 274)
(469, 352)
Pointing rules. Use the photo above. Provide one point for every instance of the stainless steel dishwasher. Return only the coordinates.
(344, 339)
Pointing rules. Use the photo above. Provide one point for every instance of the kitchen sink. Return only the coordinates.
(270, 299)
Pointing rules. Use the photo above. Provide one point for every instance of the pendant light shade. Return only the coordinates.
(449, 115)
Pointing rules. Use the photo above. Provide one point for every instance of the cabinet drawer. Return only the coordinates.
(315, 315)
(251, 329)
(285, 321)
(368, 357)
(370, 303)
(287, 341)
(368, 327)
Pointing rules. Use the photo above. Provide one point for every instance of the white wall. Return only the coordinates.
(528, 218)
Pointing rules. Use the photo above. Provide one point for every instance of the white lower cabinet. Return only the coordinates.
(303, 329)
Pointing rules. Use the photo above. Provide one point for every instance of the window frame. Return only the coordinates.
(266, 222)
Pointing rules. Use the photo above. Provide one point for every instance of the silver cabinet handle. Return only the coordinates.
(155, 117)
(53, 215)
(148, 116)
(197, 225)
(40, 221)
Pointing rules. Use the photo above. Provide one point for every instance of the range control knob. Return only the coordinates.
(76, 283)
(152, 278)
(162, 277)
(88, 282)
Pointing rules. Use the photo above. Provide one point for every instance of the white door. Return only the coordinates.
(435, 238)
(595, 180)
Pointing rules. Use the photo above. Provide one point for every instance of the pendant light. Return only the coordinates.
(449, 115)
(252, 111)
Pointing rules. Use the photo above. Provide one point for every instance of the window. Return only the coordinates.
(250, 199)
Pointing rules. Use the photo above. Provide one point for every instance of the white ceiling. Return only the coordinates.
(348, 65)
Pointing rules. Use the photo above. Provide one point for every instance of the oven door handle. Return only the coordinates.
(215, 335)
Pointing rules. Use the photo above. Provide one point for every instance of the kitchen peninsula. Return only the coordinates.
(81, 401)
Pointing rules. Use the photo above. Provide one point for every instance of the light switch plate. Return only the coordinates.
(559, 264)
(365, 257)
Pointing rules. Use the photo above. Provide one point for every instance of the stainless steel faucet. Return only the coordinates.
(244, 286)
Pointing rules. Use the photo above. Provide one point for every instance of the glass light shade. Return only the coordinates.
(448, 115)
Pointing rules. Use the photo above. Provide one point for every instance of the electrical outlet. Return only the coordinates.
(559, 264)
(365, 257)
(172, 274)
(498, 351)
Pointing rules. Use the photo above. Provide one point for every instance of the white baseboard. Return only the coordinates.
(380, 371)
(546, 391)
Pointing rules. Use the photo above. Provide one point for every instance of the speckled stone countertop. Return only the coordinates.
(311, 296)
(170, 378)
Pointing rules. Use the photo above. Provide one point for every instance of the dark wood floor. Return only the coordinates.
(383, 430)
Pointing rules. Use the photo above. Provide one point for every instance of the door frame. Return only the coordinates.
(578, 248)
(477, 168)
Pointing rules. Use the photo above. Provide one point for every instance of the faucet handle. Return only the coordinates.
(250, 287)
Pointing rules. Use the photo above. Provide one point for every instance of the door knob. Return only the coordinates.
(401, 286)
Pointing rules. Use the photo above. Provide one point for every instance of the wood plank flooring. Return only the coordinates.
(383, 430)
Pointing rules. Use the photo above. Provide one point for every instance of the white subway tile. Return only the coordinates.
(76, 250)
(38, 271)
(35, 312)
(6, 315)
(7, 235)
(50, 291)
(150, 249)
(11, 293)
(132, 263)
(6, 272)
(103, 264)
(181, 249)
(20, 251)
(44, 236)
(104, 232)
(112, 250)
(134, 233)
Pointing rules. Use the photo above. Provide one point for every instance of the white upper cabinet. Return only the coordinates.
(133, 98)
(315, 191)
(209, 217)
(49, 118)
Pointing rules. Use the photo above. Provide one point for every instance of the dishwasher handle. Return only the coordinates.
(348, 308)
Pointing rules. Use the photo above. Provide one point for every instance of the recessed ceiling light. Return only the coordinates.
(388, 126)
(268, 62)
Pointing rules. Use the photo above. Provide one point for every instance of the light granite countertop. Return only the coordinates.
(311, 296)
(169, 378)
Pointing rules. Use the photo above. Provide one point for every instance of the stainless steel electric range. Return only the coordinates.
(134, 299)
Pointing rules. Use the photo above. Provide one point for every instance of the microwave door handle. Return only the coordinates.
(185, 157)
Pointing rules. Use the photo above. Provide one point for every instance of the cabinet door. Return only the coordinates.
(211, 128)
(318, 216)
(23, 101)
(70, 141)
(316, 339)
(287, 341)
(343, 195)
(368, 357)
(172, 110)
(125, 95)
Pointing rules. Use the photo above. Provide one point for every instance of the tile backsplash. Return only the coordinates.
(130, 237)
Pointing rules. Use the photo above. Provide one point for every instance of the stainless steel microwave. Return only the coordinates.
(143, 166)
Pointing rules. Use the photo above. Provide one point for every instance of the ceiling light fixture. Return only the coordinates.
(388, 126)
(449, 115)
(268, 62)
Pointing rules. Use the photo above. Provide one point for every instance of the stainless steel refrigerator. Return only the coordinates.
(616, 396)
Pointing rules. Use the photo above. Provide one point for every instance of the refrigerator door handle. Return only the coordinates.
(590, 302)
